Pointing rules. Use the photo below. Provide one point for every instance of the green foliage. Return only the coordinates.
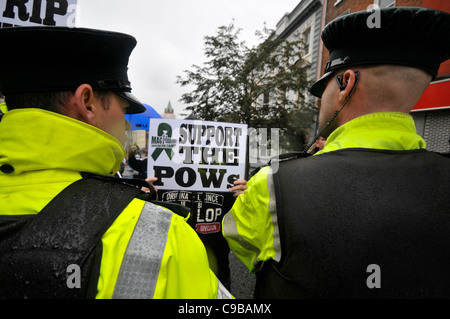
(262, 86)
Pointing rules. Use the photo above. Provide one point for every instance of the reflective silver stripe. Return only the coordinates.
(140, 266)
(273, 212)
(229, 227)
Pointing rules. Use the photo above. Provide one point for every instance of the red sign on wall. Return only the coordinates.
(436, 96)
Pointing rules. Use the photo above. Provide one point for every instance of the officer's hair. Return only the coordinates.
(396, 86)
(51, 101)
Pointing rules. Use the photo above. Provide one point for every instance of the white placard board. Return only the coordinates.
(196, 155)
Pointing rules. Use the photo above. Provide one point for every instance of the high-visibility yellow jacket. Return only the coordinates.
(251, 226)
(3, 108)
(44, 153)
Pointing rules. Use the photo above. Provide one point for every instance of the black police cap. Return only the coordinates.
(50, 59)
(410, 36)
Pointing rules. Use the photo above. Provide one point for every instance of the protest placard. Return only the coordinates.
(196, 155)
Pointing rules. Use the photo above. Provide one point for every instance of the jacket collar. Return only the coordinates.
(383, 130)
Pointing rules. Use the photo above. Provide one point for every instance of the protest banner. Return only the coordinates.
(207, 210)
(196, 162)
(38, 12)
(196, 155)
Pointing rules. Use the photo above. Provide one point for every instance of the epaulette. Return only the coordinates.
(290, 156)
(282, 158)
(150, 196)
(139, 183)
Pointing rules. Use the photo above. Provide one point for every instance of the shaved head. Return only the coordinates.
(393, 87)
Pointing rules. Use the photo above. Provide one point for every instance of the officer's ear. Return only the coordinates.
(84, 103)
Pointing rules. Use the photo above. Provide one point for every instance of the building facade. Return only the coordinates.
(304, 21)
(169, 112)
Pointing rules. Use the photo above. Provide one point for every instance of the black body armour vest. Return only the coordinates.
(38, 252)
(361, 223)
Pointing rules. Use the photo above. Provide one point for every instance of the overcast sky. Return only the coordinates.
(170, 35)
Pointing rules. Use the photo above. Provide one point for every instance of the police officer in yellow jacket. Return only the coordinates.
(367, 216)
(68, 229)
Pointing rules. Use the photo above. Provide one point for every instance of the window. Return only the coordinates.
(385, 3)
(307, 40)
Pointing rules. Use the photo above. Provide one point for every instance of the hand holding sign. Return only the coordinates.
(239, 187)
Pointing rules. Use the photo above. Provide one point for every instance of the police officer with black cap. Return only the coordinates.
(68, 229)
(367, 216)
